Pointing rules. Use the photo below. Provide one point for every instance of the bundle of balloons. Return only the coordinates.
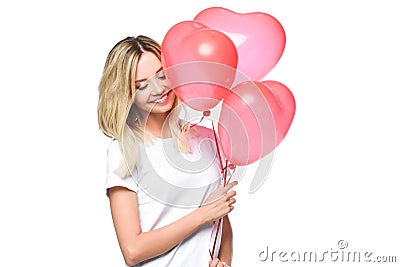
(222, 55)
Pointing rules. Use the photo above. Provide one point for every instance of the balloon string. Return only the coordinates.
(191, 126)
(218, 152)
(205, 114)
(230, 176)
(215, 239)
(212, 230)
(224, 172)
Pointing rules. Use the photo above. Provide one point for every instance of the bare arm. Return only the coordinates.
(137, 246)
(226, 250)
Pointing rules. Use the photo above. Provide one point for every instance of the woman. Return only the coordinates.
(161, 172)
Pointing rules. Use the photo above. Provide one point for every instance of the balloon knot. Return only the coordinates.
(206, 113)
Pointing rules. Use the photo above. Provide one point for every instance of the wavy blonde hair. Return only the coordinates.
(117, 114)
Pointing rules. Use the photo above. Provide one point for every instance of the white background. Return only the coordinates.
(335, 175)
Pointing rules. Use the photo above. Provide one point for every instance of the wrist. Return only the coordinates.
(199, 215)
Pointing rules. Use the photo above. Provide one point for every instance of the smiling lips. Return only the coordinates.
(162, 99)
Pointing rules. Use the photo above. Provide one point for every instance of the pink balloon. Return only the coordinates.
(254, 119)
(283, 107)
(200, 63)
(258, 37)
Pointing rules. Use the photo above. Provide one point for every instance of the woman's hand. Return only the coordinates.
(219, 203)
(217, 263)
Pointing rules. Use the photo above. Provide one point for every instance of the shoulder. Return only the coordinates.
(114, 144)
(114, 153)
(114, 148)
(114, 160)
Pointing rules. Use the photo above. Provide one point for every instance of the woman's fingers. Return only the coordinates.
(214, 262)
(231, 194)
(230, 185)
(225, 188)
(220, 192)
(220, 202)
(217, 263)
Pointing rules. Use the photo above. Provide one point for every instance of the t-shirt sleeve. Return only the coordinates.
(114, 159)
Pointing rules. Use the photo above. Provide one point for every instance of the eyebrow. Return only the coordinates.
(142, 80)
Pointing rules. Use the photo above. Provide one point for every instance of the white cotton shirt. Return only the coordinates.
(169, 185)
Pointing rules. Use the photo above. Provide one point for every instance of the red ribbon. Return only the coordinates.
(224, 172)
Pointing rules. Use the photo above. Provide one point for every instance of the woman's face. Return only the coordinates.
(153, 94)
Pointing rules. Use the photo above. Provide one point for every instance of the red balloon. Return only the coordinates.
(254, 119)
(259, 38)
(200, 63)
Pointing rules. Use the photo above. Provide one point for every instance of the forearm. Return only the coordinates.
(226, 248)
(150, 244)
(137, 246)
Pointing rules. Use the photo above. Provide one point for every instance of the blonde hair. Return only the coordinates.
(117, 113)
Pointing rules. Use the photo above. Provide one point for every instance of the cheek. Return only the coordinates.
(140, 98)
(174, 97)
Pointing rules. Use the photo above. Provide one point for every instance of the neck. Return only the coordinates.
(157, 126)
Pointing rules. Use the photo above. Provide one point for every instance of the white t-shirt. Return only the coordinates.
(169, 185)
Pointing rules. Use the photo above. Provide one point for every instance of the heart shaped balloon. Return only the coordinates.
(254, 119)
(200, 63)
(259, 38)
(283, 106)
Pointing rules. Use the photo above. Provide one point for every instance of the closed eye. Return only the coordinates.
(161, 75)
(141, 86)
